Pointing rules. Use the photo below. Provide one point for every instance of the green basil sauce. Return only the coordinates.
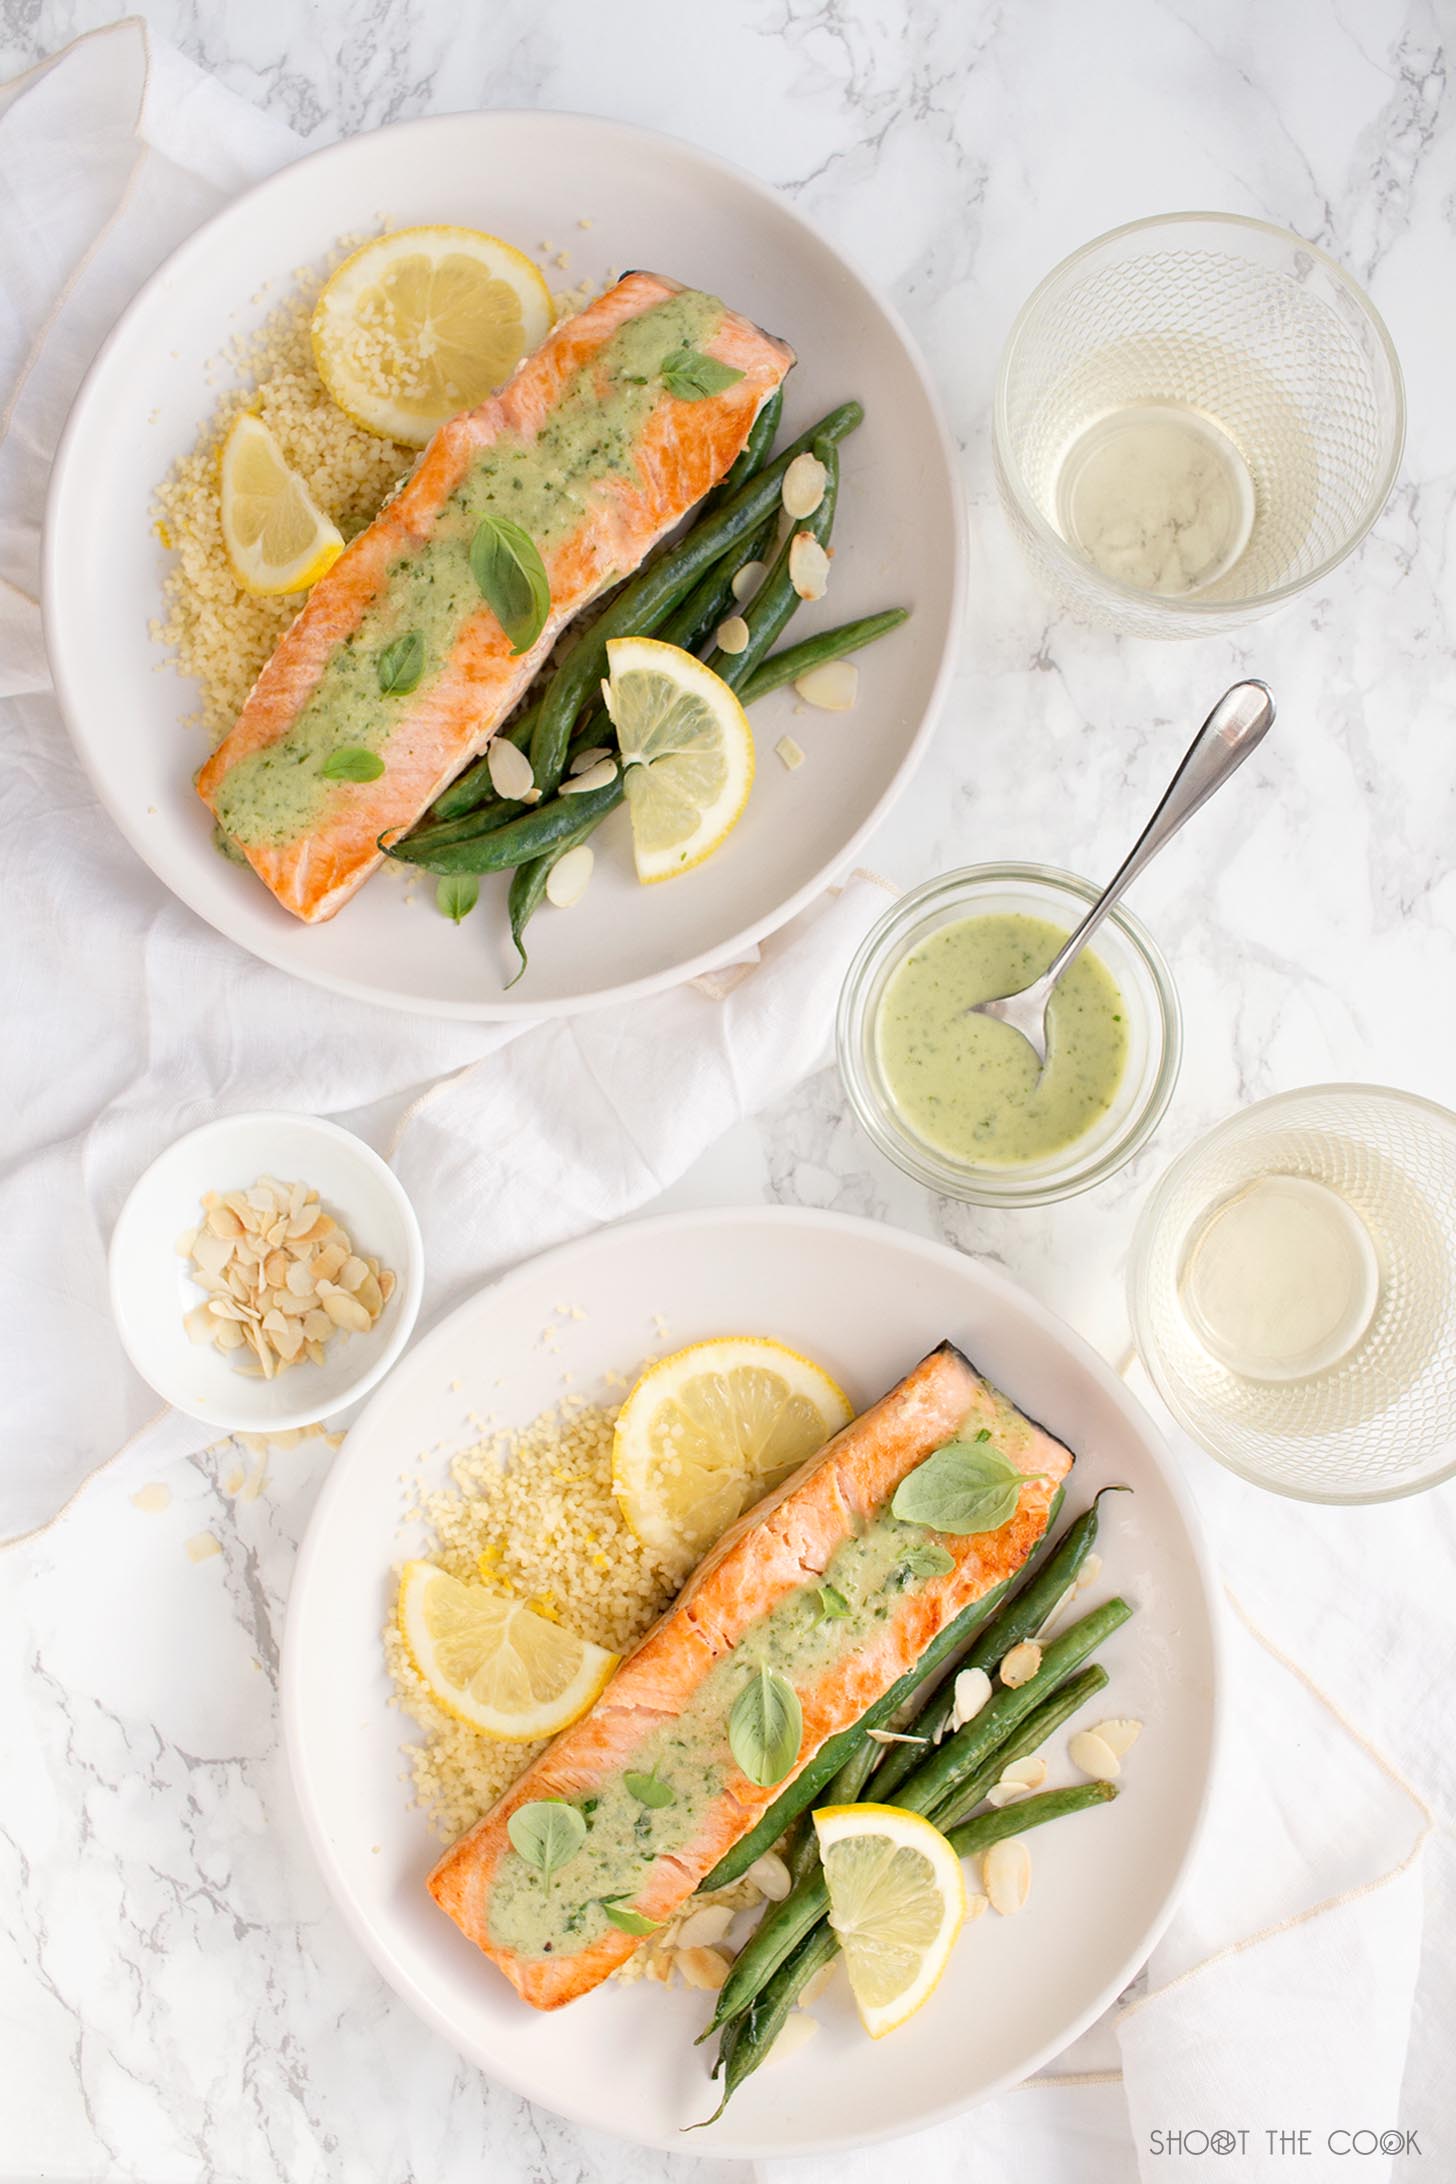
(691, 1752)
(546, 485)
(969, 1086)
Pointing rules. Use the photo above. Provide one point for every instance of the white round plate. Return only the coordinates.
(651, 202)
(867, 1302)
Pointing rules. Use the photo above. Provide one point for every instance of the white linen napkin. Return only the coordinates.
(136, 1020)
(1279, 1999)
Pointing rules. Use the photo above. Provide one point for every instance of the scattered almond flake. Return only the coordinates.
(1006, 1793)
(803, 486)
(153, 1499)
(569, 877)
(808, 566)
(347, 1312)
(893, 1736)
(509, 770)
(583, 763)
(832, 687)
(706, 1968)
(770, 1876)
(818, 1983)
(747, 580)
(595, 777)
(1021, 1664)
(1030, 1773)
(224, 1222)
(799, 2029)
(732, 636)
(234, 1482)
(790, 752)
(1045, 1628)
(1095, 1758)
(1119, 1735)
(976, 1908)
(353, 1273)
(253, 1486)
(701, 1929)
(972, 1690)
(1090, 1571)
(1006, 1875)
(202, 1547)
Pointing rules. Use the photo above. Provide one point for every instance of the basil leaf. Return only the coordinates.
(766, 1728)
(927, 1559)
(650, 1789)
(961, 1488)
(512, 578)
(402, 664)
(833, 1607)
(631, 1922)
(546, 1833)
(353, 763)
(692, 377)
(456, 895)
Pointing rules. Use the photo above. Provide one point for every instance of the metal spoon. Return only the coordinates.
(1241, 719)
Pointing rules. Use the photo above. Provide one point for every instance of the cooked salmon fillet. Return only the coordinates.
(780, 1548)
(595, 503)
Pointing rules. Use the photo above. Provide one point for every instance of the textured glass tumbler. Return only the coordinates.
(1227, 330)
(1382, 1422)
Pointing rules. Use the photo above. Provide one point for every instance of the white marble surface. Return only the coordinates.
(177, 1998)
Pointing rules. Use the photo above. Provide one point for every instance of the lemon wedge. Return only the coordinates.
(277, 537)
(419, 325)
(687, 752)
(897, 1900)
(494, 1662)
(708, 1431)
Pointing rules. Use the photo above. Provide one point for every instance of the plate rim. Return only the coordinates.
(502, 1010)
(813, 1219)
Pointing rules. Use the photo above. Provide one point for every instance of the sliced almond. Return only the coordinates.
(302, 1224)
(808, 566)
(289, 1340)
(385, 1278)
(509, 770)
(972, 1690)
(1006, 1793)
(184, 1243)
(1006, 1872)
(222, 1221)
(200, 1324)
(893, 1736)
(595, 777)
(976, 1908)
(315, 1352)
(732, 636)
(317, 1326)
(1028, 1773)
(819, 1982)
(1119, 1735)
(1087, 1751)
(352, 1273)
(274, 1323)
(790, 752)
(300, 1278)
(213, 1253)
(240, 1283)
(274, 1268)
(770, 1876)
(833, 686)
(706, 1968)
(700, 1929)
(1020, 1664)
(330, 1260)
(346, 1312)
(585, 760)
(229, 1335)
(371, 1296)
(1090, 1571)
(261, 1196)
(799, 2030)
(290, 1303)
(570, 876)
(747, 580)
(803, 486)
(228, 1308)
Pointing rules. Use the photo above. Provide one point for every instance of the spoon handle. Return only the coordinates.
(1241, 719)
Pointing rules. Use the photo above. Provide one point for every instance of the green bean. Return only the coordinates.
(747, 2040)
(934, 1781)
(835, 1750)
(528, 884)
(751, 457)
(768, 612)
(713, 597)
(826, 644)
(667, 579)
(1022, 1617)
(474, 787)
(502, 848)
(1039, 1724)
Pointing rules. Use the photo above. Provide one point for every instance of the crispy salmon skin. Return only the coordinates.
(753, 1599)
(590, 452)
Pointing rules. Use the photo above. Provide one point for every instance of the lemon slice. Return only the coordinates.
(688, 753)
(897, 1900)
(277, 537)
(494, 1662)
(419, 325)
(708, 1431)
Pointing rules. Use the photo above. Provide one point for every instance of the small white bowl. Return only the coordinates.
(151, 1291)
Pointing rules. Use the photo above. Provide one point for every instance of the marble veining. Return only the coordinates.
(179, 1998)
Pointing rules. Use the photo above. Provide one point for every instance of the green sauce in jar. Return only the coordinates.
(969, 1086)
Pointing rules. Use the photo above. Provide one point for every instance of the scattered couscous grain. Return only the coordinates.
(532, 1511)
